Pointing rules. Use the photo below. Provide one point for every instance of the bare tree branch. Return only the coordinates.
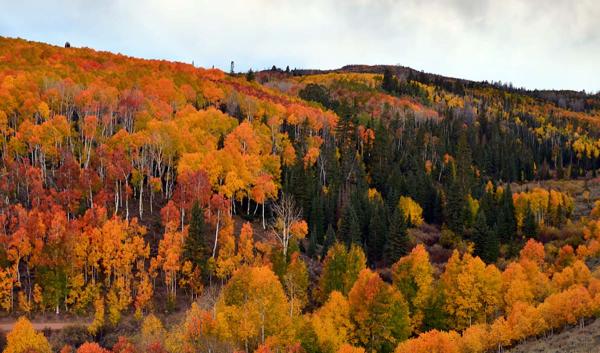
(286, 214)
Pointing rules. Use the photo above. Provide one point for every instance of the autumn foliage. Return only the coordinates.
(340, 212)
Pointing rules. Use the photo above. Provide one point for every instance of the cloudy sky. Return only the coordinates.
(531, 43)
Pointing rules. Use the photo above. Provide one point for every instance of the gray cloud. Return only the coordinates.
(532, 43)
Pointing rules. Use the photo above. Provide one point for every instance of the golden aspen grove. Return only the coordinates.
(155, 206)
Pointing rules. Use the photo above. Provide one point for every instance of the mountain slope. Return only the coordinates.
(371, 203)
(572, 340)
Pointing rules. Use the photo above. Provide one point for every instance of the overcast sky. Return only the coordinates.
(531, 43)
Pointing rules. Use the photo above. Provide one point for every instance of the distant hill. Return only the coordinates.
(576, 100)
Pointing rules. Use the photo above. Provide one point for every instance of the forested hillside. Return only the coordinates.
(365, 209)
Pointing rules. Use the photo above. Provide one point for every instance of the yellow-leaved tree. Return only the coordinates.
(411, 210)
(413, 276)
(296, 283)
(152, 332)
(23, 338)
(331, 323)
(253, 307)
(472, 290)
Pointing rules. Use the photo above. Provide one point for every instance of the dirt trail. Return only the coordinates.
(49, 325)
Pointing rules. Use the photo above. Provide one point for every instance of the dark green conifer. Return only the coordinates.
(389, 82)
(195, 248)
(396, 244)
(506, 222)
(377, 234)
(455, 208)
(530, 226)
(349, 230)
(329, 240)
(487, 246)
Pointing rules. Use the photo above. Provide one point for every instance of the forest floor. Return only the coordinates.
(571, 340)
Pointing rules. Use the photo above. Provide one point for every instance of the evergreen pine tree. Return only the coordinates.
(349, 231)
(438, 209)
(561, 217)
(392, 200)
(502, 225)
(317, 217)
(506, 224)
(312, 244)
(329, 240)
(487, 246)
(379, 158)
(195, 248)
(455, 208)
(464, 161)
(250, 76)
(377, 234)
(388, 84)
(530, 226)
(487, 204)
(560, 172)
(396, 244)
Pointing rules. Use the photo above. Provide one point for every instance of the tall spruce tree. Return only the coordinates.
(350, 230)
(195, 248)
(329, 240)
(396, 244)
(487, 246)
(317, 217)
(506, 222)
(378, 229)
(311, 251)
(530, 226)
(455, 208)
(464, 164)
(488, 204)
